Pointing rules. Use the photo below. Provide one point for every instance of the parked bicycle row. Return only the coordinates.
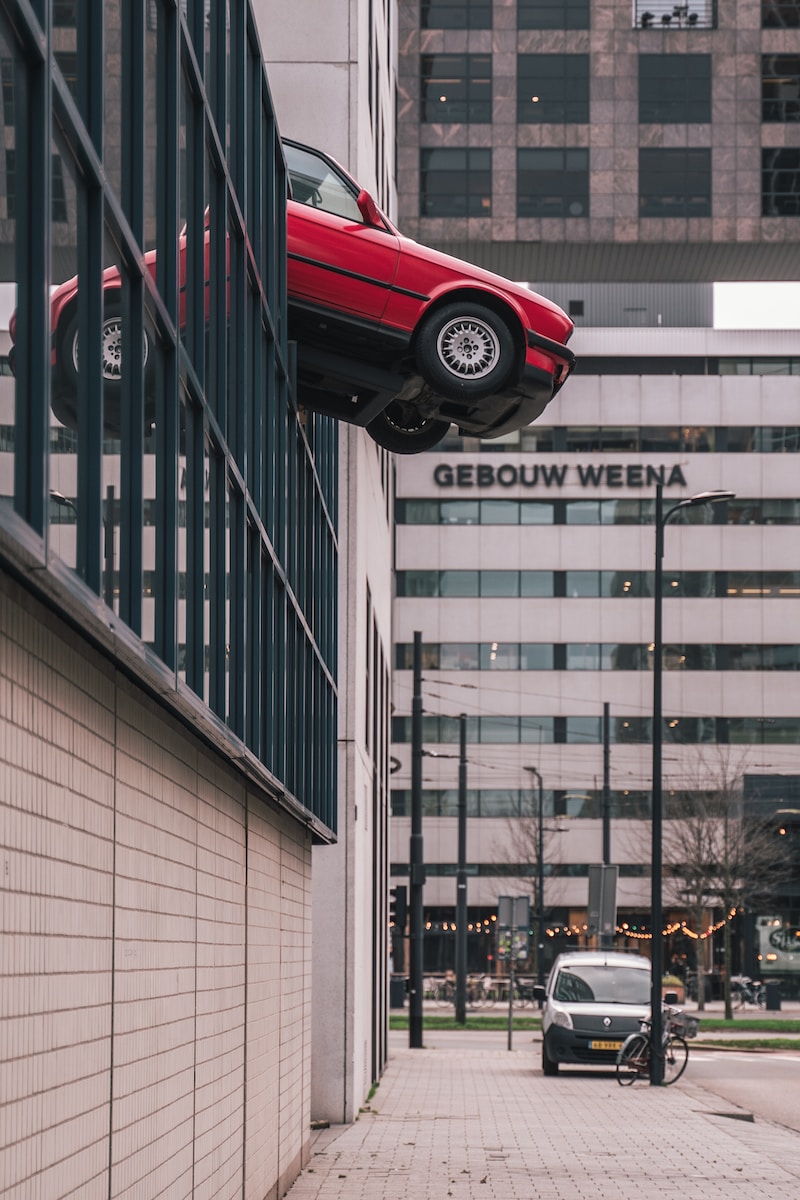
(483, 991)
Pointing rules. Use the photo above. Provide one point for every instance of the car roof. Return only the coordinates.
(615, 958)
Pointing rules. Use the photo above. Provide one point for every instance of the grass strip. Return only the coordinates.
(432, 1021)
(747, 1043)
(748, 1024)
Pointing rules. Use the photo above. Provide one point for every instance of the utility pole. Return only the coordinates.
(416, 862)
(461, 879)
(606, 939)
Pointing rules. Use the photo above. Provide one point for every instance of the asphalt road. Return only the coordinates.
(766, 1085)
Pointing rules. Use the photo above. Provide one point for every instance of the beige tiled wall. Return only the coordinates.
(155, 983)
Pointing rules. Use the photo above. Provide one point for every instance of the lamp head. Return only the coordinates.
(716, 497)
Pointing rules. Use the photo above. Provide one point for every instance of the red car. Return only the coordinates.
(391, 335)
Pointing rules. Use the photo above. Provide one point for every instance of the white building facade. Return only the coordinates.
(528, 569)
(332, 71)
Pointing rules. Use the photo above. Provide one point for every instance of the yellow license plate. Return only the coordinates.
(605, 1045)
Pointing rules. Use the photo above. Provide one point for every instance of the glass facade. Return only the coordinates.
(154, 464)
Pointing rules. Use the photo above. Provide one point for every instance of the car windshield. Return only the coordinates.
(602, 984)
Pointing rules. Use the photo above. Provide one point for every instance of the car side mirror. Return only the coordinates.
(539, 991)
(368, 208)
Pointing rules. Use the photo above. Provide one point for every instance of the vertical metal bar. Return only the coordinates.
(606, 784)
(416, 862)
(656, 916)
(165, 376)
(540, 912)
(108, 548)
(461, 879)
(32, 416)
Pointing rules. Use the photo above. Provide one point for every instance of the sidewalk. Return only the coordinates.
(473, 1124)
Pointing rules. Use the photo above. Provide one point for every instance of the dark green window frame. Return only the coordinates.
(674, 89)
(456, 88)
(553, 14)
(217, 540)
(552, 89)
(780, 14)
(780, 87)
(675, 182)
(552, 182)
(456, 14)
(780, 182)
(455, 182)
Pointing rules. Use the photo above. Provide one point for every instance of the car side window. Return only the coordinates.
(314, 182)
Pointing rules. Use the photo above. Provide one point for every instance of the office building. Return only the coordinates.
(168, 614)
(528, 569)
(621, 158)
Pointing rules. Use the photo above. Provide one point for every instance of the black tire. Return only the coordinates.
(68, 347)
(632, 1059)
(549, 1067)
(676, 1055)
(465, 350)
(403, 430)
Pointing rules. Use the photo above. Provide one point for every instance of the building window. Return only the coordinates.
(674, 89)
(58, 204)
(456, 183)
(552, 88)
(780, 87)
(456, 14)
(456, 87)
(552, 14)
(780, 183)
(552, 183)
(675, 183)
(780, 14)
(666, 14)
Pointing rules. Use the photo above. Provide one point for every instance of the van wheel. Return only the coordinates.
(548, 1066)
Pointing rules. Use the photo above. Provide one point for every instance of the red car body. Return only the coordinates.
(391, 334)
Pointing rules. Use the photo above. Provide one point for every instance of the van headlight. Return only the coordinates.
(561, 1017)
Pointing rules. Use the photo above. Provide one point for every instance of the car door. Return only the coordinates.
(337, 260)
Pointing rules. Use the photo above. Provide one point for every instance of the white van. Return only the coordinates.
(592, 1000)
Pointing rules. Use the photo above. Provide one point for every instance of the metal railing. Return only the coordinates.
(665, 14)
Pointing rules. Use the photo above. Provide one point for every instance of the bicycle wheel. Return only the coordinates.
(634, 1059)
(444, 995)
(761, 997)
(676, 1055)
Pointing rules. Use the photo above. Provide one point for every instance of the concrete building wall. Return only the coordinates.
(331, 65)
(350, 879)
(332, 70)
(156, 942)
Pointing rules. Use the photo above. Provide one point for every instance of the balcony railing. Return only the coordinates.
(665, 14)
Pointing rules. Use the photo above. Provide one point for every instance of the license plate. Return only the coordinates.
(595, 1045)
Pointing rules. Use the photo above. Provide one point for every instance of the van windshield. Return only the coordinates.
(602, 984)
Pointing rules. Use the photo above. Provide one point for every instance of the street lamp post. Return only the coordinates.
(657, 919)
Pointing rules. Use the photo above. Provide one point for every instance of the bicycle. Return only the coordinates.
(633, 1059)
(745, 990)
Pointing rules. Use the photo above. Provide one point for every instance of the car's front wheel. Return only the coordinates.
(548, 1066)
(402, 429)
(465, 350)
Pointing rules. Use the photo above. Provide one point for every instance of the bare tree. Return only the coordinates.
(521, 845)
(718, 854)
